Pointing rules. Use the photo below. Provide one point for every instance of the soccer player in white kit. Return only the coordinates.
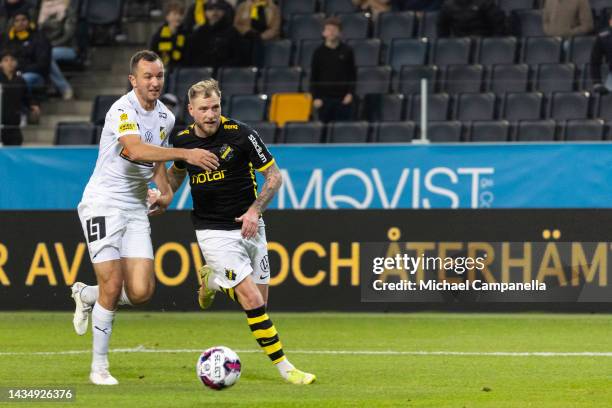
(113, 210)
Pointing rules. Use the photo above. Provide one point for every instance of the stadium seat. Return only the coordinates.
(348, 132)
(584, 130)
(555, 78)
(600, 6)
(290, 107)
(580, 49)
(586, 82)
(277, 53)
(182, 79)
(428, 25)
(527, 23)
(98, 134)
(266, 131)
(373, 80)
(508, 6)
(542, 50)
(392, 25)
(569, 105)
(497, 50)
(332, 7)
(366, 51)
(281, 79)
(451, 51)
(101, 105)
(604, 107)
(509, 78)
(395, 132)
(355, 25)
(305, 52)
(74, 133)
(383, 107)
(410, 78)
(237, 80)
(489, 131)
(475, 106)
(303, 132)
(444, 132)
(103, 12)
(522, 106)
(437, 107)
(407, 51)
(248, 107)
(306, 26)
(463, 78)
(291, 7)
(536, 131)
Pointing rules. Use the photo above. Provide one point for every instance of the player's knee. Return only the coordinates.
(141, 295)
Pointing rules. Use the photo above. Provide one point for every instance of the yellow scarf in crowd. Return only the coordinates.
(21, 35)
(165, 47)
(199, 14)
(254, 6)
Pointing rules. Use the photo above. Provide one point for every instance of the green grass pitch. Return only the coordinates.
(335, 347)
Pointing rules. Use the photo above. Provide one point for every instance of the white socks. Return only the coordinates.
(123, 298)
(101, 327)
(89, 295)
(284, 366)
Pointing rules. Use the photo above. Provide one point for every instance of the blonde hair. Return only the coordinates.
(204, 88)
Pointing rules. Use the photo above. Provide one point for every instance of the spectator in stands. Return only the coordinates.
(169, 41)
(15, 99)
(602, 49)
(416, 5)
(373, 6)
(9, 8)
(32, 49)
(567, 17)
(257, 21)
(217, 43)
(333, 75)
(464, 18)
(196, 14)
(57, 20)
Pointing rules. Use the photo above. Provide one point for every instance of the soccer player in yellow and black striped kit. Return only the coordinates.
(227, 215)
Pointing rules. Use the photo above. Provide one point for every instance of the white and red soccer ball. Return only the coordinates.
(218, 367)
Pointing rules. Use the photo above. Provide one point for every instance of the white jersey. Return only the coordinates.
(117, 180)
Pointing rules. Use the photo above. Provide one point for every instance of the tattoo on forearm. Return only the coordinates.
(271, 185)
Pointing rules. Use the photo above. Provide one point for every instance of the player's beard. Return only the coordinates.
(208, 129)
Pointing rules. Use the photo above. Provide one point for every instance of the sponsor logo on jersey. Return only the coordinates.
(258, 149)
(123, 117)
(230, 127)
(264, 265)
(162, 133)
(162, 115)
(127, 126)
(148, 136)
(226, 152)
(208, 176)
(230, 274)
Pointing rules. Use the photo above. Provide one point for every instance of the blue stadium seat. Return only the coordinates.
(536, 131)
(584, 130)
(237, 80)
(509, 6)
(497, 50)
(331, 7)
(266, 131)
(305, 52)
(281, 79)
(277, 53)
(182, 79)
(306, 27)
(101, 105)
(395, 132)
(248, 108)
(542, 50)
(438, 107)
(373, 80)
(569, 105)
(444, 132)
(303, 132)
(489, 131)
(555, 78)
(383, 107)
(475, 106)
(509, 78)
(527, 23)
(604, 107)
(522, 106)
(291, 7)
(407, 51)
(463, 78)
(580, 48)
(348, 132)
(74, 133)
(103, 12)
(411, 76)
(428, 25)
(366, 51)
(355, 25)
(451, 51)
(392, 25)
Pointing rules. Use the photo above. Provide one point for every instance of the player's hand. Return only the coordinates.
(317, 103)
(348, 99)
(202, 158)
(158, 202)
(250, 223)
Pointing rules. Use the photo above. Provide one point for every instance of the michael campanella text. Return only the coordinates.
(435, 285)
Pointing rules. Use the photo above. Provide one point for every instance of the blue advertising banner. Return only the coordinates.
(556, 175)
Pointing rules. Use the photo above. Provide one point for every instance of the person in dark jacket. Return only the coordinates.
(170, 40)
(333, 75)
(32, 49)
(15, 100)
(196, 14)
(602, 49)
(217, 43)
(464, 18)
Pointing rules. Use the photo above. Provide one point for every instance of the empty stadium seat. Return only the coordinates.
(509, 78)
(584, 130)
(527, 23)
(555, 78)
(580, 48)
(395, 132)
(522, 106)
(392, 25)
(248, 107)
(277, 53)
(347, 132)
(586, 81)
(290, 7)
(366, 51)
(604, 107)
(489, 131)
(266, 131)
(451, 51)
(536, 131)
(101, 105)
(237, 80)
(281, 79)
(305, 52)
(475, 106)
(569, 105)
(407, 51)
(411, 76)
(542, 50)
(497, 50)
(306, 26)
(355, 25)
(463, 78)
(383, 107)
(509, 6)
(103, 12)
(182, 79)
(373, 80)
(438, 106)
(331, 7)
(444, 132)
(303, 132)
(428, 25)
(74, 133)
(290, 107)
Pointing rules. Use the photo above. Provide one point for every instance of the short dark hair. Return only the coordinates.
(146, 55)
(8, 53)
(175, 6)
(335, 21)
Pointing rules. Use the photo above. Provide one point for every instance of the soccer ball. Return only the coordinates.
(218, 367)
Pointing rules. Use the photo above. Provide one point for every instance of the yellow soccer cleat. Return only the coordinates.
(298, 377)
(205, 296)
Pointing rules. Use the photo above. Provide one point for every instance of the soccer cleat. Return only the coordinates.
(81, 310)
(298, 377)
(102, 377)
(205, 295)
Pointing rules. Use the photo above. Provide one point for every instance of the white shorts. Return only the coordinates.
(233, 258)
(113, 233)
